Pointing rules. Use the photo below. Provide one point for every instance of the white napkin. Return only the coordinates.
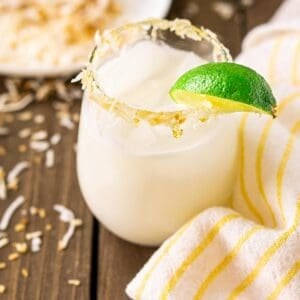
(253, 250)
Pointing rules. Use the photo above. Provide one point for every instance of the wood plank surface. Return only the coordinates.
(49, 269)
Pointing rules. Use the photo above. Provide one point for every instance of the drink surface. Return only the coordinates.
(141, 75)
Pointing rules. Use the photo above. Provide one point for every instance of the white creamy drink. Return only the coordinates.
(140, 181)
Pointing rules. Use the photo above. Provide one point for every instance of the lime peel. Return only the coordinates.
(228, 87)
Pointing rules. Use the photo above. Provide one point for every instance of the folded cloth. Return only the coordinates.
(251, 251)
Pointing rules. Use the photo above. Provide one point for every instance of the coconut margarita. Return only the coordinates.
(146, 165)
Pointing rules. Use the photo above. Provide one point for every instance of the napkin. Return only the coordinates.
(252, 250)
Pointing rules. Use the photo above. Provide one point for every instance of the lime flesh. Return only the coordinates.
(227, 87)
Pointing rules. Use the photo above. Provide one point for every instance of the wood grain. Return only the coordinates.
(49, 269)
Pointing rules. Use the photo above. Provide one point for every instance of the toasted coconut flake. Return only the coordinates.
(50, 157)
(10, 211)
(17, 106)
(13, 256)
(2, 289)
(2, 265)
(33, 210)
(55, 139)
(64, 242)
(224, 10)
(247, 3)
(65, 121)
(24, 133)
(39, 119)
(31, 235)
(4, 131)
(76, 117)
(21, 226)
(20, 247)
(24, 116)
(65, 214)
(11, 88)
(48, 227)
(42, 213)
(22, 148)
(43, 91)
(12, 176)
(74, 282)
(2, 151)
(61, 106)
(3, 189)
(36, 243)
(25, 272)
(39, 146)
(39, 135)
(3, 242)
(61, 90)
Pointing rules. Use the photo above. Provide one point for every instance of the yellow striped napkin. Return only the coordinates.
(251, 251)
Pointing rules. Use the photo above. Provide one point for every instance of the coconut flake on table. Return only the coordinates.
(12, 176)
(55, 139)
(39, 135)
(67, 216)
(223, 9)
(11, 209)
(50, 157)
(18, 105)
(3, 188)
(39, 146)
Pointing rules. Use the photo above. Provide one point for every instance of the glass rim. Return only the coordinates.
(111, 41)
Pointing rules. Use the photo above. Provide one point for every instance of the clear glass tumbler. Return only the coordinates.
(143, 172)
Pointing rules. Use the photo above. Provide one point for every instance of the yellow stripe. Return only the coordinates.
(261, 148)
(244, 192)
(282, 166)
(273, 59)
(259, 157)
(285, 281)
(225, 262)
(295, 65)
(266, 257)
(195, 254)
(164, 251)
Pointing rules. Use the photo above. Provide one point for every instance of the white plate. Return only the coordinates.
(132, 11)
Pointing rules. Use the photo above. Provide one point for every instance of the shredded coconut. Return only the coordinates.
(3, 189)
(36, 243)
(24, 133)
(39, 135)
(39, 119)
(55, 139)
(17, 106)
(67, 216)
(31, 235)
(12, 176)
(39, 146)
(10, 211)
(3, 242)
(50, 158)
(65, 121)
(223, 9)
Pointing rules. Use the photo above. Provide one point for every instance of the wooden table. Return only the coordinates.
(103, 263)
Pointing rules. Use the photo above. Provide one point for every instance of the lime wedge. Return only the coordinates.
(226, 87)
